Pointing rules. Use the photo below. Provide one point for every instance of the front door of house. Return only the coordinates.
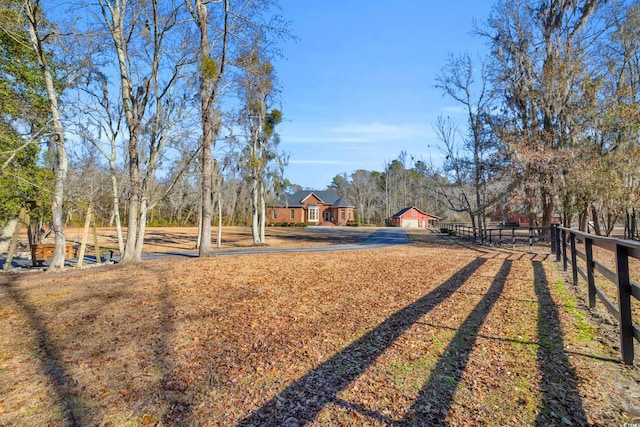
(326, 216)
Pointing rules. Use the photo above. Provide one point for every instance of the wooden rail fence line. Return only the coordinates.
(566, 241)
(507, 235)
(562, 242)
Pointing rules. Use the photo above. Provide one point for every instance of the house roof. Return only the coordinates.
(405, 210)
(325, 197)
(342, 203)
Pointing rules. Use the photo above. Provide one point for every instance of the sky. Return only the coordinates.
(358, 84)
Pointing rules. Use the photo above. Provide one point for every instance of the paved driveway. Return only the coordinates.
(380, 238)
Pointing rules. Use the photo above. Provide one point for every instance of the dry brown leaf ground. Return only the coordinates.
(171, 239)
(430, 333)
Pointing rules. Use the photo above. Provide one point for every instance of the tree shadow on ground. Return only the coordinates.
(561, 400)
(168, 398)
(434, 400)
(301, 402)
(173, 398)
(49, 357)
(523, 342)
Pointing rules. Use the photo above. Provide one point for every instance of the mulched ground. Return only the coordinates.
(431, 333)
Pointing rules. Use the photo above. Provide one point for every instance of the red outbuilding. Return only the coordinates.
(413, 217)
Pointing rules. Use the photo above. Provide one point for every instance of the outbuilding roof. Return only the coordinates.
(405, 210)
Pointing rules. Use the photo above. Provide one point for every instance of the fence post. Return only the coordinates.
(574, 261)
(591, 282)
(624, 303)
(564, 250)
(513, 237)
(490, 242)
(554, 230)
(557, 238)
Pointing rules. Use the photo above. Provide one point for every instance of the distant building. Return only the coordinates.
(516, 217)
(313, 207)
(509, 216)
(413, 217)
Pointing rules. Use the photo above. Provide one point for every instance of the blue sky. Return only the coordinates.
(357, 87)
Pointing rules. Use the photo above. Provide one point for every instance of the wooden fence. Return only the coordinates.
(566, 240)
(513, 236)
(563, 243)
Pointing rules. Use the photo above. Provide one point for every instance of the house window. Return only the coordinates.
(413, 212)
(342, 214)
(275, 213)
(292, 214)
(313, 214)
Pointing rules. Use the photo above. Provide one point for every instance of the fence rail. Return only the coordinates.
(507, 235)
(566, 241)
(563, 243)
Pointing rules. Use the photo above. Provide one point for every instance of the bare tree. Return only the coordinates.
(147, 43)
(458, 190)
(363, 194)
(260, 154)
(472, 162)
(100, 120)
(39, 33)
(211, 74)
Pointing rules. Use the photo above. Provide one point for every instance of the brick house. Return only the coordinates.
(413, 217)
(312, 207)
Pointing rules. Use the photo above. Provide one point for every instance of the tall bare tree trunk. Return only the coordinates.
(207, 193)
(32, 10)
(211, 76)
(199, 222)
(132, 113)
(255, 221)
(132, 232)
(116, 212)
(263, 212)
(219, 237)
(142, 225)
(219, 203)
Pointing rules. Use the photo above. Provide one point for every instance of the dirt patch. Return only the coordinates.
(429, 333)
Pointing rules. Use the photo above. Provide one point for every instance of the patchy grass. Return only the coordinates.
(429, 333)
(584, 331)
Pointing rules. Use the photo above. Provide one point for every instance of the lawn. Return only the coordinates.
(428, 333)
